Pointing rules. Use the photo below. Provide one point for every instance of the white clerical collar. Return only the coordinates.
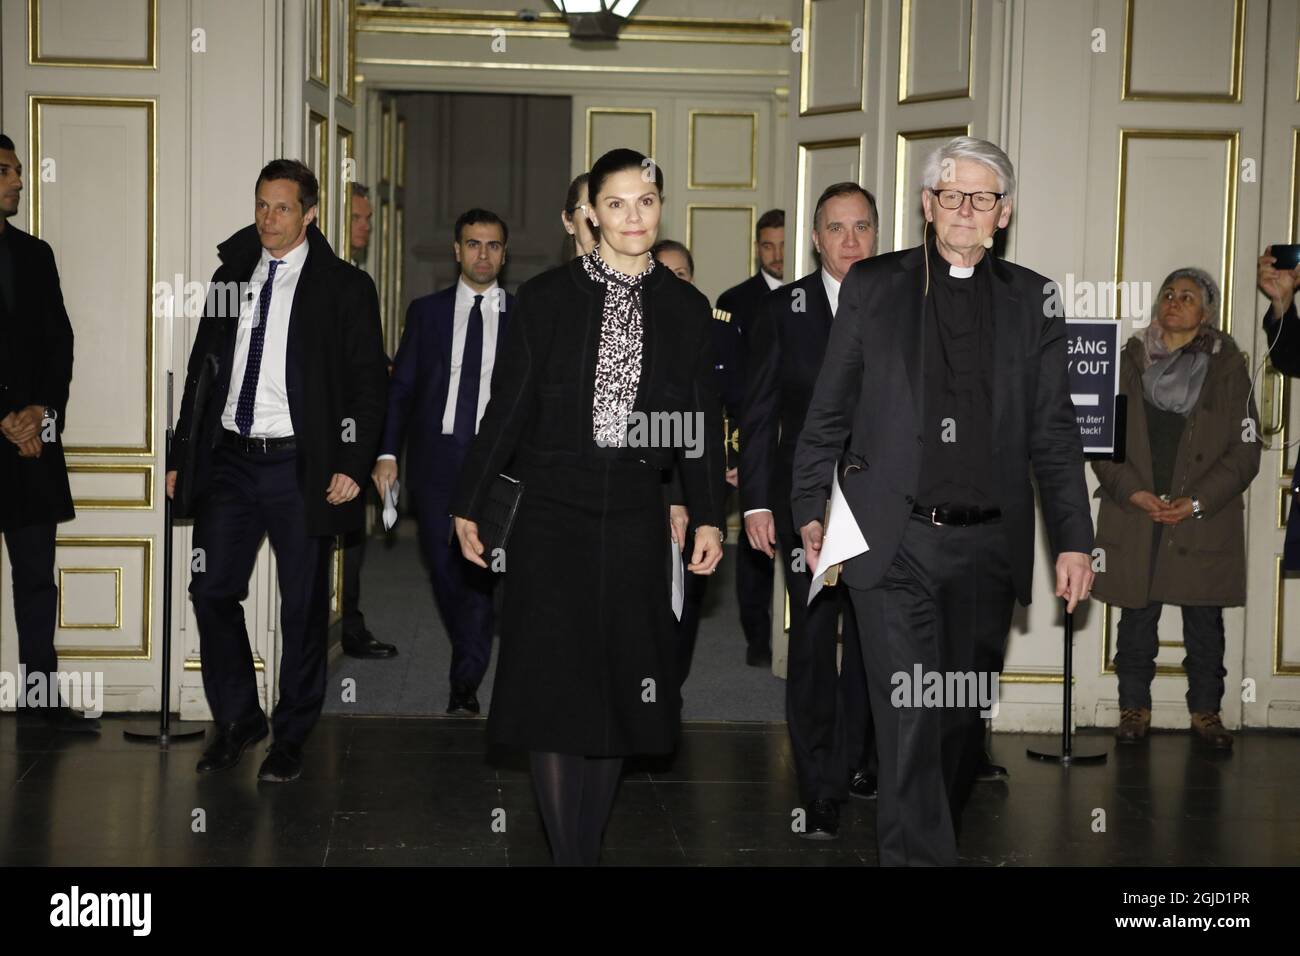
(960, 272)
(771, 283)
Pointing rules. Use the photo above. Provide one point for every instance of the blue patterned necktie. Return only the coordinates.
(253, 368)
(471, 368)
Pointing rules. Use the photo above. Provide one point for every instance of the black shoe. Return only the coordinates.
(758, 657)
(823, 821)
(986, 771)
(61, 718)
(230, 743)
(364, 645)
(283, 763)
(463, 702)
(863, 785)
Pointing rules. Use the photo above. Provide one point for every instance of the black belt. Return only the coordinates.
(256, 446)
(957, 515)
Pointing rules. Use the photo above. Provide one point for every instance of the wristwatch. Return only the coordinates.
(1196, 508)
(48, 413)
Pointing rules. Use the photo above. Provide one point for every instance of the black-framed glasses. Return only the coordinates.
(979, 201)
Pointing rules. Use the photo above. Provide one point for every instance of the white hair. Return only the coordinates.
(976, 150)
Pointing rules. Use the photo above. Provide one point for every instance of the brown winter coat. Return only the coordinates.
(1201, 562)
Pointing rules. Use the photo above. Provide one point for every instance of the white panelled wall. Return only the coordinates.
(1146, 133)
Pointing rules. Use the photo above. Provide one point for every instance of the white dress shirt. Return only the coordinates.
(771, 282)
(271, 401)
(494, 299)
(832, 286)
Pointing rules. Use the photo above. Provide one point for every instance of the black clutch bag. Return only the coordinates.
(497, 516)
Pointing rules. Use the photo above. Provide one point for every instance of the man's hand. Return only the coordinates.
(470, 546)
(383, 475)
(171, 484)
(1278, 284)
(708, 550)
(341, 489)
(31, 448)
(1176, 512)
(678, 519)
(22, 425)
(1073, 578)
(733, 477)
(811, 533)
(760, 529)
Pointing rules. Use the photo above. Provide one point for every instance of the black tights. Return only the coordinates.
(576, 795)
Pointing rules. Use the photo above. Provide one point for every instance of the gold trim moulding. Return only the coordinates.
(116, 572)
(1232, 139)
(144, 651)
(1130, 95)
(195, 664)
(752, 116)
(1281, 667)
(35, 103)
(551, 25)
(36, 58)
(652, 112)
(904, 61)
(693, 207)
(806, 51)
(114, 504)
(566, 67)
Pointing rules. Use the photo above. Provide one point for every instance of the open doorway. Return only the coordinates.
(442, 153)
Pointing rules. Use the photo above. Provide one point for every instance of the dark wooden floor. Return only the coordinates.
(420, 791)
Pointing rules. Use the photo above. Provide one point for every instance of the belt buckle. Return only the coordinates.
(933, 519)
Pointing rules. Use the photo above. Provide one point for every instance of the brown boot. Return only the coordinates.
(1133, 724)
(1209, 727)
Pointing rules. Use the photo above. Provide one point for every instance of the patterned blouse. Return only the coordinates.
(618, 357)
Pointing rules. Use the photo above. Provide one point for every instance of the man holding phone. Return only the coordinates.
(1278, 275)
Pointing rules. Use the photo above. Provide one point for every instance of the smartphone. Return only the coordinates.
(1287, 256)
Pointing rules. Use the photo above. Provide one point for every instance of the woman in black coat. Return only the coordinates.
(598, 349)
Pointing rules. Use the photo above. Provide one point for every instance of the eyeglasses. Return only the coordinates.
(953, 198)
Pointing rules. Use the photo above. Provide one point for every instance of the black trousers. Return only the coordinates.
(253, 496)
(462, 591)
(36, 597)
(754, 574)
(1138, 643)
(826, 708)
(354, 554)
(944, 606)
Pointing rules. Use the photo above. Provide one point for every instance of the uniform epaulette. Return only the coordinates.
(722, 315)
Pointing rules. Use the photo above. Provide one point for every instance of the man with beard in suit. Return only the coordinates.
(35, 374)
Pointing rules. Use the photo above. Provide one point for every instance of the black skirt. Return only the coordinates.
(587, 656)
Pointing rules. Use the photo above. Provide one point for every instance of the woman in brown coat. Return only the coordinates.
(1171, 521)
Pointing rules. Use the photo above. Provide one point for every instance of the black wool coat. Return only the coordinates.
(35, 369)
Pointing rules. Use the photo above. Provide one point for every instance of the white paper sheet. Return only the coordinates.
(679, 577)
(390, 505)
(841, 540)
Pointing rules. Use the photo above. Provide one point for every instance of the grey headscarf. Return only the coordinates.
(1172, 380)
